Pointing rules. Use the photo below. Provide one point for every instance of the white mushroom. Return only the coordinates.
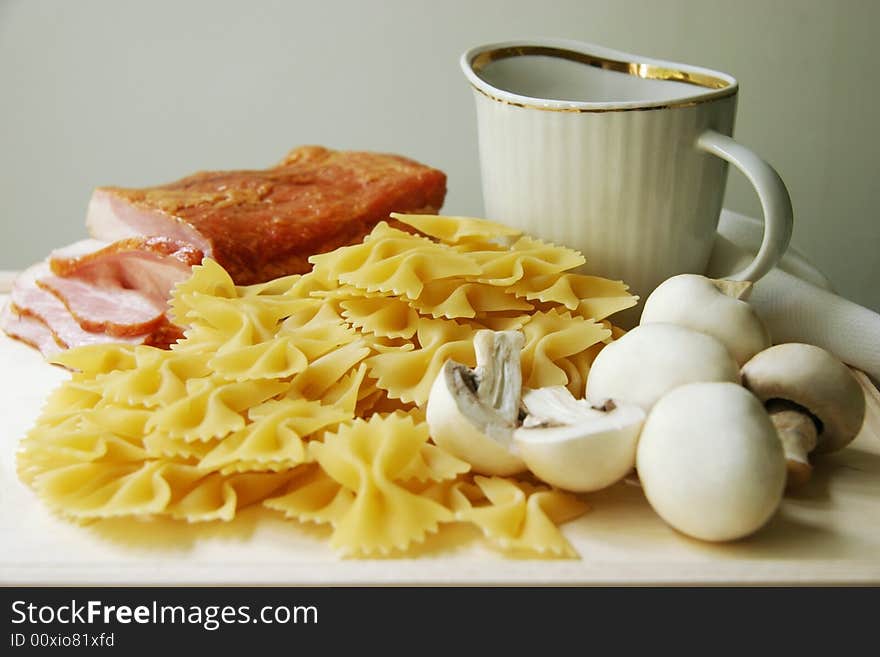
(714, 307)
(710, 462)
(652, 359)
(570, 444)
(472, 413)
(813, 399)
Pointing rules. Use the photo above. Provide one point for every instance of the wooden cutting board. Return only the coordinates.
(827, 533)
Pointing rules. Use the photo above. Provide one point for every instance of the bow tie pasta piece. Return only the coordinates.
(112, 435)
(433, 464)
(277, 358)
(283, 286)
(104, 490)
(517, 518)
(367, 458)
(36, 453)
(226, 324)
(453, 230)
(393, 261)
(219, 497)
(213, 412)
(311, 284)
(455, 298)
(383, 242)
(577, 367)
(70, 398)
(348, 391)
(383, 345)
(345, 292)
(257, 467)
(379, 402)
(160, 445)
(499, 322)
(429, 462)
(406, 274)
(591, 297)
(526, 258)
(382, 316)
(319, 333)
(325, 372)
(158, 379)
(115, 420)
(368, 398)
(313, 496)
(408, 376)
(551, 337)
(216, 323)
(94, 359)
(208, 279)
(95, 490)
(275, 435)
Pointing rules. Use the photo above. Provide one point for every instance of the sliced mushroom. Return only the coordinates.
(815, 402)
(710, 462)
(472, 413)
(570, 444)
(652, 359)
(714, 307)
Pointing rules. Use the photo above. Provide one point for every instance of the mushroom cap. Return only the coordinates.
(710, 461)
(583, 450)
(699, 303)
(812, 378)
(652, 359)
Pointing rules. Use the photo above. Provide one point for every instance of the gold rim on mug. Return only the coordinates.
(637, 69)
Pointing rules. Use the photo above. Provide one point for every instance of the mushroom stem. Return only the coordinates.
(799, 435)
(739, 290)
(498, 370)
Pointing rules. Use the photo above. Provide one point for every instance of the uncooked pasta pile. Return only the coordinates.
(306, 394)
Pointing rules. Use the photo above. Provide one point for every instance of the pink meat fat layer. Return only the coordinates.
(116, 310)
(111, 218)
(41, 305)
(152, 275)
(28, 330)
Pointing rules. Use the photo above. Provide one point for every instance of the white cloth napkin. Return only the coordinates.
(795, 300)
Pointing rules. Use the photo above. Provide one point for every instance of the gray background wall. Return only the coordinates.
(134, 93)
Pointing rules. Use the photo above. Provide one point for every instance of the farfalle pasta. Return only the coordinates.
(516, 516)
(455, 298)
(381, 316)
(455, 230)
(307, 393)
(551, 337)
(408, 375)
(158, 378)
(371, 460)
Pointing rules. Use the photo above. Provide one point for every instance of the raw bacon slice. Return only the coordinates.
(263, 224)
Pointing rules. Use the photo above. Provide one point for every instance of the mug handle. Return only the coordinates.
(774, 197)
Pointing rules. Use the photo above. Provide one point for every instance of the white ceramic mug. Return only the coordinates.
(619, 156)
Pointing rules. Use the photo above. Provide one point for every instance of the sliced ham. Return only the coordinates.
(263, 224)
(29, 330)
(150, 265)
(109, 308)
(30, 300)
